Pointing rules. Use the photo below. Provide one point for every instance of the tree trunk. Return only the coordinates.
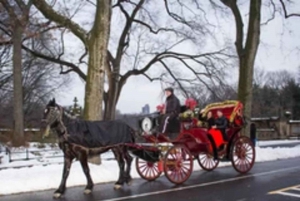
(97, 47)
(247, 60)
(114, 91)
(18, 134)
(245, 90)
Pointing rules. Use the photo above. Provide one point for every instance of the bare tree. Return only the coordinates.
(246, 48)
(95, 42)
(40, 83)
(142, 44)
(279, 93)
(18, 13)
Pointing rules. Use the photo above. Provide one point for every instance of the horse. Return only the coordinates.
(79, 139)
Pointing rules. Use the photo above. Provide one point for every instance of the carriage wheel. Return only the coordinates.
(243, 154)
(147, 170)
(207, 162)
(178, 164)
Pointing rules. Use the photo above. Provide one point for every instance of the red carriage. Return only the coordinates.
(176, 157)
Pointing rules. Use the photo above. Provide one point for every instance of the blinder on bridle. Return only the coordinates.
(52, 114)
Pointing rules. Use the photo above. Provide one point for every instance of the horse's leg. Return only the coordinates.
(128, 159)
(83, 158)
(120, 159)
(67, 165)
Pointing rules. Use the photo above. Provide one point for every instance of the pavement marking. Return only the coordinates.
(296, 189)
(285, 191)
(200, 185)
(289, 194)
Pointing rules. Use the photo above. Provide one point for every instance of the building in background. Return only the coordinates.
(146, 109)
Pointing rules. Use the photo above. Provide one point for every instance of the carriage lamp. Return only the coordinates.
(146, 124)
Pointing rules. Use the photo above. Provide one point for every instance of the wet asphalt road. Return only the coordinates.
(223, 184)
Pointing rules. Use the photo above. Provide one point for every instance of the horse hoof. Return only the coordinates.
(87, 191)
(57, 195)
(117, 186)
(129, 183)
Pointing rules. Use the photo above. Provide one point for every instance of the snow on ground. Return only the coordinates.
(274, 142)
(48, 177)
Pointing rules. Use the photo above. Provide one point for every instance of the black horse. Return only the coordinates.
(80, 139)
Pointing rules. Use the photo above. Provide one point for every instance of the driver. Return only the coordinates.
(169, 122)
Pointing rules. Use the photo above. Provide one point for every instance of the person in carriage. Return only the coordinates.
(221, 125)
(169, 123)
(216, 131)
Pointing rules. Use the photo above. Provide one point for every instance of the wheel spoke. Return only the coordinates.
(243, 156)
(181, 169)
(207, 162)
(147, 170)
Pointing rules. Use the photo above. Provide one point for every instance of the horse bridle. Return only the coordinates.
(59, 119)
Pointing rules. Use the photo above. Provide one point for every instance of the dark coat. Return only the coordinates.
(172, 105)
(172, 112)
(210, 121)
(222, 124)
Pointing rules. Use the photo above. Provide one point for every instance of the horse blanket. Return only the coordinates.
(94, 134)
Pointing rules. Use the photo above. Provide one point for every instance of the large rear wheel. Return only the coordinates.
(147, 170)
(178, 164)
(207, 162)
(243, 154)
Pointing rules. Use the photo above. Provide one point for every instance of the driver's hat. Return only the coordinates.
(170, 89)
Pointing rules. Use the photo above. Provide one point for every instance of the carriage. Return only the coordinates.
(176, 157)
(81, 139)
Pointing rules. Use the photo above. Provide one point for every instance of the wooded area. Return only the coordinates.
(169, 41)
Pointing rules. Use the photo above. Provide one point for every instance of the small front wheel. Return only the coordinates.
(147, 170)
(178, 164)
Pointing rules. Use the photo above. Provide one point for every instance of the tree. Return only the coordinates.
(95, 42)
(40, 83)
(142, 44)
(18, 13)
(246, 49)
(277, 94)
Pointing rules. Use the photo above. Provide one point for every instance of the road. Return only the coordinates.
(223, 184)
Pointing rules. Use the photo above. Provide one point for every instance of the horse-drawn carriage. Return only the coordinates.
(176, 157)
(81, 139)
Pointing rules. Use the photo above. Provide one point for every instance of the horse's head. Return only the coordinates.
(52, 115)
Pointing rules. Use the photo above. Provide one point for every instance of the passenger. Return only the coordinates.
(169, 122)
(211, 122)
(221, 124)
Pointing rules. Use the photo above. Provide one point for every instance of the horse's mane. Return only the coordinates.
(67, 117)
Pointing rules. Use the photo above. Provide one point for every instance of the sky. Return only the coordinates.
(279, 41)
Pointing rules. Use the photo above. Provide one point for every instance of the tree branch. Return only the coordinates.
(52, 15)
(168, 54)
(57, 61)
(286, 15)
(174, 77)
(129, 21)
(238, 25)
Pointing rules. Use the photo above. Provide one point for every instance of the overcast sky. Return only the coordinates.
(277, 51)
